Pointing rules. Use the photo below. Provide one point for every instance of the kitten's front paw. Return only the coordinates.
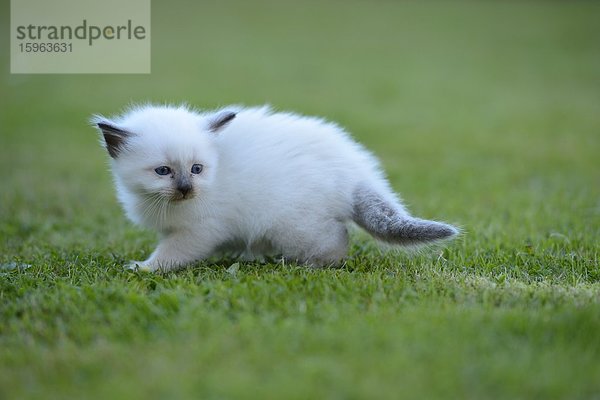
(140, 266)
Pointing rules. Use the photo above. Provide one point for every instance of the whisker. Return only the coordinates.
(150, 208)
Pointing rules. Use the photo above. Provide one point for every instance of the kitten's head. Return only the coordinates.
(163, 154)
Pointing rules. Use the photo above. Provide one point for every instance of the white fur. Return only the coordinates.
(272, 183)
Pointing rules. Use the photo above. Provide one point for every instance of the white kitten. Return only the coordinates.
(251, 181)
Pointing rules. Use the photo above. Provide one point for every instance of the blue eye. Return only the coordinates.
(197, 168)
(164, 170)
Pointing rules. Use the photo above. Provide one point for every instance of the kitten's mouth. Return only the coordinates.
(178, 198)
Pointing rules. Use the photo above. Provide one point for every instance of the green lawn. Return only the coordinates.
(484, 114)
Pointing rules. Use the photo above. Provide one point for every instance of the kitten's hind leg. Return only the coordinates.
(326, 244)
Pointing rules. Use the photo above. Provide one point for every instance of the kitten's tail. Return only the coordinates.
(386, 220)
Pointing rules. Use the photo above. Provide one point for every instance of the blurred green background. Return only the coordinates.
(484, 114)
(467, 103)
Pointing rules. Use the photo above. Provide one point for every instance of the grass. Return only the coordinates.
(484, 114)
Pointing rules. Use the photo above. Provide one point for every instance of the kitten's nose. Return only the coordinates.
(184, 189)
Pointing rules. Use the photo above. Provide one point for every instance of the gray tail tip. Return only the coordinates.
(415, 231)
(433, 230)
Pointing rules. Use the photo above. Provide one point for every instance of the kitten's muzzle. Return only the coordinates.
(184, 188)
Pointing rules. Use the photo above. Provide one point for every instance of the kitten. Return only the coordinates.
(251, 181)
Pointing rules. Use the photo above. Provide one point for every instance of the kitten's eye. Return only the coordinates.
(197, 168)
(164, 170)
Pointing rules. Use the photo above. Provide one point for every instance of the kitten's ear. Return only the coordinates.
(114, 137)
(220, 120)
